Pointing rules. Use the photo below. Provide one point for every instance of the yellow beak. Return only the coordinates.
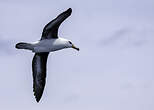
(75, 47)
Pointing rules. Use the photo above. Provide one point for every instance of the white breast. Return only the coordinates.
(49, 45)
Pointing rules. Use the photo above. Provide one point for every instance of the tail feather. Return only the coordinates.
(23, 45)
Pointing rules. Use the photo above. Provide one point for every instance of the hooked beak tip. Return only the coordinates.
(75, 48)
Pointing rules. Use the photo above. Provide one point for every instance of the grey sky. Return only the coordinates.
(115, 76)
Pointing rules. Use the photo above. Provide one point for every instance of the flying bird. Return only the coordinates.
(49, 42)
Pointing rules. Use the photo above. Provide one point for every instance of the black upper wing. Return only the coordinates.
(51, 29)
(39, 74)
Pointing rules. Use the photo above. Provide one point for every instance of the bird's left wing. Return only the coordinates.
(39, 74)
(51, 29)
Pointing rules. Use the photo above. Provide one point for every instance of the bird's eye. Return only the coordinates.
(70, 42)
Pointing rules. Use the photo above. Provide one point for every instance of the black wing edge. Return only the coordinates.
(51, 29)
(39, 63)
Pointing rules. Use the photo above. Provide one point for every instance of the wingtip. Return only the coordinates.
(37, 98)
(69, 10)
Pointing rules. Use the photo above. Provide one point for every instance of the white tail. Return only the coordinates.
(23, 45)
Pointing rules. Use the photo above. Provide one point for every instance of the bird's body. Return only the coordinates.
(49, 42)
(50, 45)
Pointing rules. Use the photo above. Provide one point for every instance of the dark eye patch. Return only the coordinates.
(70, 42)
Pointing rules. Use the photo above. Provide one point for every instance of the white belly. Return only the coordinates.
(49, 45)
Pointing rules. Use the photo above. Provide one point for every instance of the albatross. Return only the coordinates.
(49, 42)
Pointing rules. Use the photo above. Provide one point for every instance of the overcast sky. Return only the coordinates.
(113, 71)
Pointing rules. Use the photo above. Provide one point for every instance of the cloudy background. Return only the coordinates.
(113, 71)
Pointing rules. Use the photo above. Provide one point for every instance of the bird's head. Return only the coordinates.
(71, 45)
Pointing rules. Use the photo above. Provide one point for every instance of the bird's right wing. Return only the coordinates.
(51, 29)
(39, 74)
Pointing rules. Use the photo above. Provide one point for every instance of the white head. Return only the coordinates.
(69, 44)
